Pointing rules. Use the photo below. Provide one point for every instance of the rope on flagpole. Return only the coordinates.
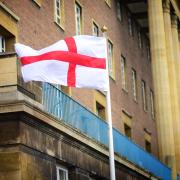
(109, 116)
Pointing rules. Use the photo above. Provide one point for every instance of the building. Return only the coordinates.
(55, 132)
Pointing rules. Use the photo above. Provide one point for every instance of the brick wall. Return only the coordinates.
(36, 28)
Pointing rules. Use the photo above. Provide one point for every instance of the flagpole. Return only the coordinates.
(109, 117)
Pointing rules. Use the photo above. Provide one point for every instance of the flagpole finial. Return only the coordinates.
(104, 29)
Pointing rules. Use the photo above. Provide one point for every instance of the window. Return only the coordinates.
(130, 27)
(78, 16)
(123, 73)
(100, 110)
(95, 29)
(127, 120)
(134, 84)
(127, 131)
(2, 44)
(147, 140)
(152, 104)
(62, 173)
(7, 40)
(148, 53)
(110, 58)
(119, 10)
(99, 106)
(59, 14)
(148, 146)
(144, 95)
(139, 40)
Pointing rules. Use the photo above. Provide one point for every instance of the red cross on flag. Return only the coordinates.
(78, 61)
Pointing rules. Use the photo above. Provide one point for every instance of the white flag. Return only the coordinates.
(78, 61)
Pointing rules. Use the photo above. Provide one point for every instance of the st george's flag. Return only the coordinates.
(78, 61)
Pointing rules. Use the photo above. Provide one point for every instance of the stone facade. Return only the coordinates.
(31, 148)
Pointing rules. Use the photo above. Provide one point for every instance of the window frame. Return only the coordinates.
(129, 134)
(148, 146)
(62, 168)
(139, 39)
(152, 104)
(110, 57)
(77, 4)
(2, 44)
(130, 25)
(99, 98)
(144, 95)
(59, 16)
(94, 24)
(148, 52)
(123, 73)
(103, 108)
(134, 84)
(119, 11)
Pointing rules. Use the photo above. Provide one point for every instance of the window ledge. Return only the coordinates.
(112, 78)
(126, 113)
(135, 100)
(37, 3)
(145, 110)
(60, 26)
(102, 92)
(7, 54)
(125, 90)
(108, 3)
(9, 11)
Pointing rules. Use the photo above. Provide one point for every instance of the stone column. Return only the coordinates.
(179, 38)
(176, 48)
(161, 83)
(171, 61)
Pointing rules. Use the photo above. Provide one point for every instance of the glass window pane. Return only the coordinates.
(110, 58)
(58, 9)
(78, 19)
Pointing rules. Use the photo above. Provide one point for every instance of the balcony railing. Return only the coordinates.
(68, 110)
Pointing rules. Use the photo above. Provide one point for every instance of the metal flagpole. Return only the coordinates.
(109, 117)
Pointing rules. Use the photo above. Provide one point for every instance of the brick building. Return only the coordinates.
(55, 132)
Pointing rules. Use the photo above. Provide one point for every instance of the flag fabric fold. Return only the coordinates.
(78, 61)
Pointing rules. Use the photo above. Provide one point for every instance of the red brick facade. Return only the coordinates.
(37, 29)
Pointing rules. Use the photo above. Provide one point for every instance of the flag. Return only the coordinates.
(78, 61)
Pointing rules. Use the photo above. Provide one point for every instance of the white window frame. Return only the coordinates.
(2, 44)
(95, 29)
(130, 25)
(134, 84)
(139, 39)
(62, 169)
(148, 52)
(144, 96)
(123, 73)
(152, 104)
(78, 18)
(119, 10)
(110, 58)
(58, 12)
